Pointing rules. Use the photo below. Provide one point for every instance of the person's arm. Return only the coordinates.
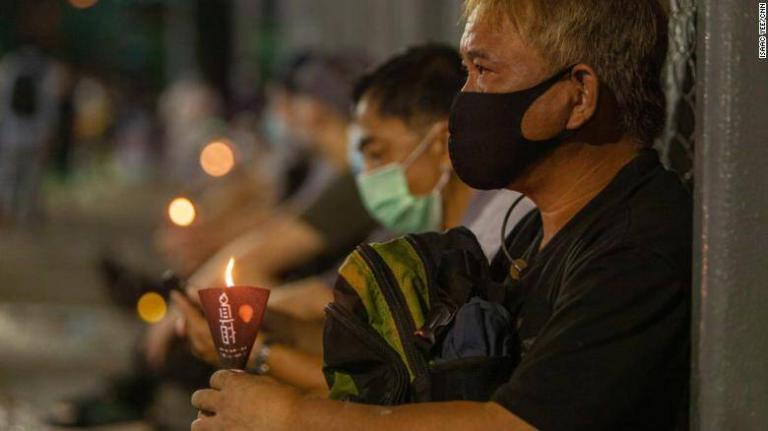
(157, 340)
(262, 254)
(296, 368)
(333, 224)
(304, 299)
(238, 401)
(187, 248)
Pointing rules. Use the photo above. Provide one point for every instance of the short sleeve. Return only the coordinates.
(339, 215)
(614, 353)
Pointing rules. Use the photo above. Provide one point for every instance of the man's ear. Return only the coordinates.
(440, 141)
(585, 97)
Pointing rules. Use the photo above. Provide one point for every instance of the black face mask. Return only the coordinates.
(487, 146)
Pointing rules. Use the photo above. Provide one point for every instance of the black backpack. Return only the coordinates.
(418, 319)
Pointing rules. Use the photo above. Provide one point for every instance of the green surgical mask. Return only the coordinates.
(387, 197)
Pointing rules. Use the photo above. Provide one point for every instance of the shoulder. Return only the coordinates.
(660, 220)
(652, 226)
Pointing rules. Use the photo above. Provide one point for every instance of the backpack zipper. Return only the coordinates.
(397, 304)
(428, 264)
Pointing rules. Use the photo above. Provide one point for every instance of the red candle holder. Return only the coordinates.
(234, 316)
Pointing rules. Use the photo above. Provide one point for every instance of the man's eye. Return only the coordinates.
(372, 156)
(480, 69)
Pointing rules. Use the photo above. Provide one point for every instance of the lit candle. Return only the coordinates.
(234, 315)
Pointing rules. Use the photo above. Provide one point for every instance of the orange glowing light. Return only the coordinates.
(245, 312)
(228, 272)
(83, 4)
(181, 211)
(217, 158)
(151, 307)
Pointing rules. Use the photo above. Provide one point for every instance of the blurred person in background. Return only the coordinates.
(29, 102)
(187, 108)
(62, 152)
(304, 122)
(408, 185)
(94, 108)
(276, 173)
(299, 175)
(134, 142)
(288, 239)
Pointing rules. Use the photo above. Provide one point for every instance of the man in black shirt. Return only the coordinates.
(562, 103)
(603, 309)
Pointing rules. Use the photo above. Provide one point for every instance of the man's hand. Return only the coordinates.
(158, 340)
(193, 325)
(238, 402)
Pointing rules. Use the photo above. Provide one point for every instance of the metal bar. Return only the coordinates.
(730, 350)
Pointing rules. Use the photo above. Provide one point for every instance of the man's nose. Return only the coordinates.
(470, 86)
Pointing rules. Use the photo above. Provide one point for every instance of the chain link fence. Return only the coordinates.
(677, 143)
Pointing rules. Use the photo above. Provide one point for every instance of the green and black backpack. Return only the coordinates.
(418, 319)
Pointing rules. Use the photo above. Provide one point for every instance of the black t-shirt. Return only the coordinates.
(339, 215)
(603, 310)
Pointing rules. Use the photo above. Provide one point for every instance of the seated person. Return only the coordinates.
(306, 122)
(408, 185)
(562, 103)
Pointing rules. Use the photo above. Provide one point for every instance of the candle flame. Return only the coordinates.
(228, 273)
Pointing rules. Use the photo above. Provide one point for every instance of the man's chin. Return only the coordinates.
(535, 174)
(525, 181)
(516, 186)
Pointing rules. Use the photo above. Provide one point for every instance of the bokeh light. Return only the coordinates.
(181, 212)
(151, 307)
(217, 158)
(83, 4)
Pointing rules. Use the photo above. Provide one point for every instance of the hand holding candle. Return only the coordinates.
(234, 315)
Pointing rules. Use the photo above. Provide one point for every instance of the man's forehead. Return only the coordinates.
(367, 113)
(374, 128)
(485, 38)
